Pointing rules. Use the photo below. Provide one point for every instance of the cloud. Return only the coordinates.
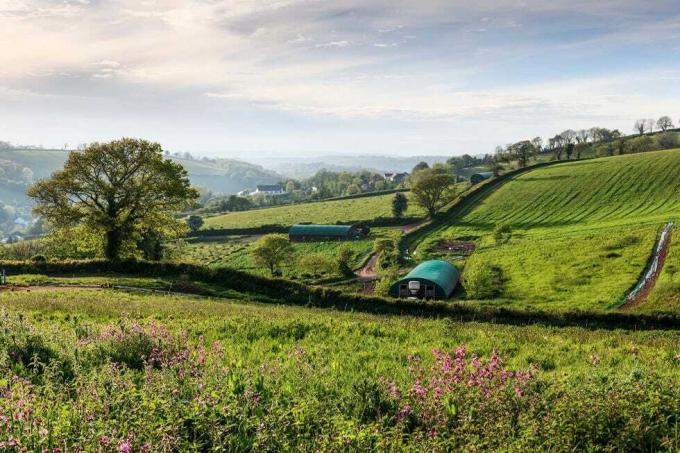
(391, 64)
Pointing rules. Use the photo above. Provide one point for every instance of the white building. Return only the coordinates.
(269, 189)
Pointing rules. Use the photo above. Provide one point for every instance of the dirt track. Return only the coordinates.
(647, 282)
(368, 271)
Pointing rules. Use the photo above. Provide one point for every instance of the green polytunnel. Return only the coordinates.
(479, 177)
(310, 232)
(434, 279)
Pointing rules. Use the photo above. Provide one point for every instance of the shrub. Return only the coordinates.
(502, 233)
(29, 354)
(38, 258)
(315, 264)
(667, 140)
(344, 257)
(481, 280)
(641, 144)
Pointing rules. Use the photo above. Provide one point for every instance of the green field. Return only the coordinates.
(326, 212)
(104, 370)
(234, 252)
(581, 231)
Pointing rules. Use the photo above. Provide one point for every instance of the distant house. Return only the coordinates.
(396, 177)
(269, 189)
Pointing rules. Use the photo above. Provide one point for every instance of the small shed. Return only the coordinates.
(434, 279)
(479, 177)
(310, 232)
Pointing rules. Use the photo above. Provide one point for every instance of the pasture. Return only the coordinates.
(364, 209)
(100, 370)
(581, 232)
(234, 252)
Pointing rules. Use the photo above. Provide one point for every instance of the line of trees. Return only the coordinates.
(663, 124)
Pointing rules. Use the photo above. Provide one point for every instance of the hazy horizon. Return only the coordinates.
(252, 79)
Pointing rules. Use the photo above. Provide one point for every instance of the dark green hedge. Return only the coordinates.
(289, 292)
(268, 229)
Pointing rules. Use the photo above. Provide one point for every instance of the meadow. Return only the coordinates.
(580, 232)
(364, 209)
(235, 252)
(103, 370)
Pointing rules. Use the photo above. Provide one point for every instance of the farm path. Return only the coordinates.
(413, 226)
(368, 272)
(648, 280)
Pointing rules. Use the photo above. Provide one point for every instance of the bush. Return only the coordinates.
(667, 140)
(481, 280)
(29, 354)
(39, 259)
(345, 255)
(315, 264)
(502, 233)
(641, 144)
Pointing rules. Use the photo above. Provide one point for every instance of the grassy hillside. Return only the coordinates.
(199, 375)
(581, 231)
(631, 188)
(348, 210)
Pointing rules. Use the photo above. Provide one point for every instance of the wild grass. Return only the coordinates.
(234, 252)
(324, 212)
(127, 371)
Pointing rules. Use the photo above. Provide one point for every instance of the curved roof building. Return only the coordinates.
(305, 232)
(434, 279)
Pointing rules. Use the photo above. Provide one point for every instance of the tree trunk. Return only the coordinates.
(113, 243)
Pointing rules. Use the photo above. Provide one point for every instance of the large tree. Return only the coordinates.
(664, 123)
(431, 189)
(120, 189)
(271, 250)
(522, 151)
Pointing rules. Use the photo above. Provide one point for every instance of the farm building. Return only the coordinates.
(269, 189)
(305, 232)
(479, 177)
(435, 279)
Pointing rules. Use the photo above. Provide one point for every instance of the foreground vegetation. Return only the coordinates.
(182, 374)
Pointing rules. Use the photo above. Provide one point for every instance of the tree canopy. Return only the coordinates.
(123, 189)
(431, 188)
(271, 250)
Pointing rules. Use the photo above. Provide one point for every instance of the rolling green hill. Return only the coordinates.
(630, 188)
(346, 210)
(581, 232)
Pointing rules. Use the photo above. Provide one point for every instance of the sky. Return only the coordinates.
(256, 78)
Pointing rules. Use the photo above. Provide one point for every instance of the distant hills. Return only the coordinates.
(216, 175)
(302, 167)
